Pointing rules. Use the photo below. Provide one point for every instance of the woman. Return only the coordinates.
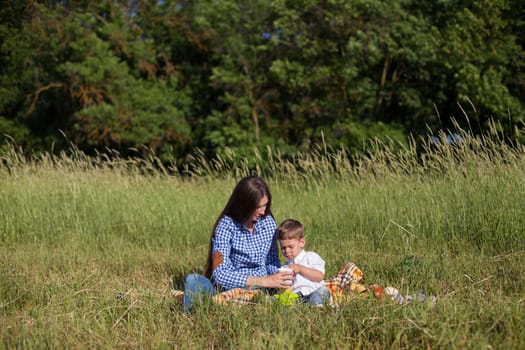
(243, 248)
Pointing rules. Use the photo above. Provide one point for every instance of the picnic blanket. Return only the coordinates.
(343, 287)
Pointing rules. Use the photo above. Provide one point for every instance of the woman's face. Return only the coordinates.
(260, 210)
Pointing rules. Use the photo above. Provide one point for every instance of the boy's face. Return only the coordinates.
(291, 247)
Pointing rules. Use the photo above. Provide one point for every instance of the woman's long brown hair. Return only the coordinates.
(242, 203)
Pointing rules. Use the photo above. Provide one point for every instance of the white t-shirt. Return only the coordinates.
(302, 284)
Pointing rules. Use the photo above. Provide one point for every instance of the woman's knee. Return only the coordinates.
(197, 288)
(198, 284)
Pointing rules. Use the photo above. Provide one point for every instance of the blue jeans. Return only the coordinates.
(196, 289)
(319, 297)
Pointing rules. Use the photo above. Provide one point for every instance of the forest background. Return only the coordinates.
(227, 77)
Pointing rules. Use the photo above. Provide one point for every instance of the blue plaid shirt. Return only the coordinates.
(244, 253)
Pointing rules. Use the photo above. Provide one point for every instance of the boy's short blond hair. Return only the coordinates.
(290, 229)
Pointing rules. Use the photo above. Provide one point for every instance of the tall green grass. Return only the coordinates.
(91, 247)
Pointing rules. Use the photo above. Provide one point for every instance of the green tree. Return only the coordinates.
(487, 61)
(183, 54)
(241, 98)
(15, 77)
(343, 69)
(94, 79)
(123, 104)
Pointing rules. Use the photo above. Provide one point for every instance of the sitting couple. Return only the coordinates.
(243, 251)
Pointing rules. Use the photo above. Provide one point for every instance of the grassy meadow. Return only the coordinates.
(91, 248)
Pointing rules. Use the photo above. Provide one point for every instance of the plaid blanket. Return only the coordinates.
(343, 287)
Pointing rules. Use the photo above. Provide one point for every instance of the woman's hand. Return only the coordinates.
(277, 280)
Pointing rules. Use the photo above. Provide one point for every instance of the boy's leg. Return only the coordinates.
(320, 296)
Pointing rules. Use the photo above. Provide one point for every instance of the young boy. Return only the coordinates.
(308, 267)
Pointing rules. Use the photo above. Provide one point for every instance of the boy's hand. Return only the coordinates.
(297, 268)
(307, 272)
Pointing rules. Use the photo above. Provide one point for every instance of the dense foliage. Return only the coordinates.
(171, 76)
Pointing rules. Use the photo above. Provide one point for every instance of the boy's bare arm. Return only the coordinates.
(312, 274)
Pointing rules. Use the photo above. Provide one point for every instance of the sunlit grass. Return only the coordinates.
(92, 246)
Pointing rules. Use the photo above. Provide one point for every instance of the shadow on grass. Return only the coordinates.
(178, 281)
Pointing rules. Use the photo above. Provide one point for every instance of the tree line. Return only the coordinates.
(173, 76)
